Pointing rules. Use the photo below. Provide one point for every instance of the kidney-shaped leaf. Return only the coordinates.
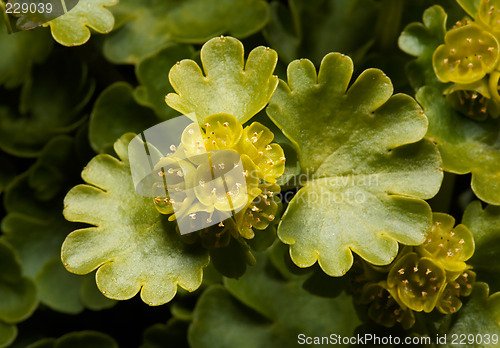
(73, 28)
(229, 85)
(133, 246)
(466, 146)
(367, 170)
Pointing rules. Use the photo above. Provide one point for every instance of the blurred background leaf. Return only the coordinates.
(115, 113)
(17, 293)
(314, 28)
(148, 26)
(152, 73)
(264, 309)
(20, 52)
(35, 227)
(83, 339)
(50, 103)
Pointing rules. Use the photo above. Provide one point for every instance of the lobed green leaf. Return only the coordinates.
(73, 28)
(133, 247)
(227, 84)
(368, 169)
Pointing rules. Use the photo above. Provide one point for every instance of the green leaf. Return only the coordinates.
(261, 310)
(73, 28)
(480, 316)
(305, 28)
(116, 113)
(367, 172)
(466, 146)
(81, 339)
(485, 227)
(420, 40)
(231, 261)
(152, 73)
(133, 246)
(52, 170)
(228, 84)
(18, 294)
(51, 102)
(20, 52)
(154, 24)
(59, 290)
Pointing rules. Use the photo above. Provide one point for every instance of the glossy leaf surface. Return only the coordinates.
(133, 246)
(367, 169)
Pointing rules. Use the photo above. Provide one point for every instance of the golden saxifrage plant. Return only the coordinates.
(307, 199)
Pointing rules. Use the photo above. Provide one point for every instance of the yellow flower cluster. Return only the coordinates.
(470, 57)
(221, 178)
